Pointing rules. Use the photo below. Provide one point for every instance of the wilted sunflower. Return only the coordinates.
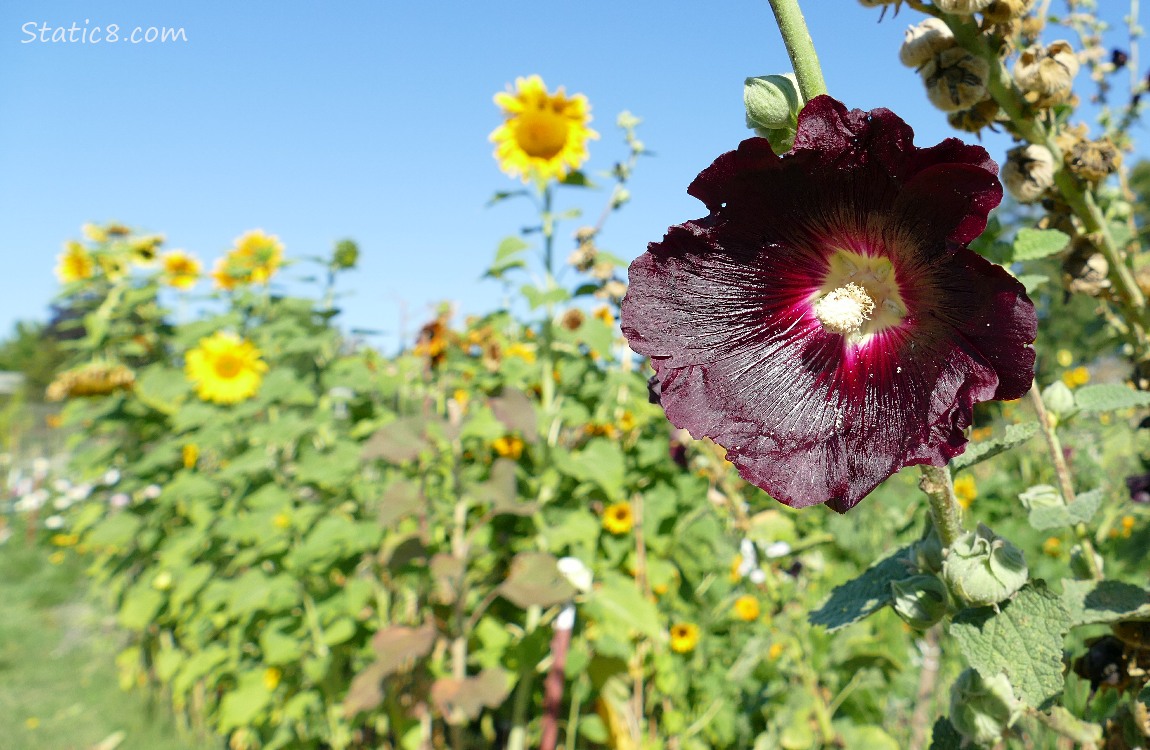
(544, 136)
(75, 264)
(826, 323)
(181, 270)
(90, 379)
(225, 369)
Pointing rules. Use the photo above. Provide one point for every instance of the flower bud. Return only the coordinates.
(982, 709)
(1028, 172)
(773, 103)
(1058, 398)
(1085, 270)
(920, 600)
(981, 568)
(1079, 565)
(955, 79)
(1005, 11)
(976, 118)
(923, 41)
(346, 254)
(962, 7)
(1046, 74)
(926, 554)
(1093, 160)
(1040, 496)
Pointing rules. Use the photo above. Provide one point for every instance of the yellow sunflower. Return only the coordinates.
(75, 264)
(181, 270)
(747, 608)
(618, 518)
(544, 136)
(261, 253)
(965, 490)
(508, 446)
(225, 369)
(684, 637)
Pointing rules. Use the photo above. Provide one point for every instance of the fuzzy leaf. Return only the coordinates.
(514, 409)
(535, 579)
(460, 701)
(1031, 244)
(1109, 397)
(858, 598)
(396, 442)
(1016, 434)
(1091, 602)
(1083, 508)
(1023, 639)
(945, 736)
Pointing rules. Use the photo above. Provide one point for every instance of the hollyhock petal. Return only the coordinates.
(825, 322)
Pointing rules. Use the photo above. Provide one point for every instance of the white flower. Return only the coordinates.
(576, 573)
(111, 476)
(61, 485)
(40, 467)
(151, 492)
(777, 549)
(54, 522)
(120, 500)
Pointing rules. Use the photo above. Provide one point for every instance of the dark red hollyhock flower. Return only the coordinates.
(1139, 487)
(826, 323)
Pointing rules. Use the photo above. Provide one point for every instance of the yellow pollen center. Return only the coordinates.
(541, 133)
(228, 365)
(845, 309)
(859, 296)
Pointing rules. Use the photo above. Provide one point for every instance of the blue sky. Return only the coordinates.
(319, 121)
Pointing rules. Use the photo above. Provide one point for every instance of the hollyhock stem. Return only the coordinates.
(944, 508)
(800, 48)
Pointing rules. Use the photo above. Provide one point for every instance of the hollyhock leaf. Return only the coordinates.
(871, 591)
(825, 323)
(1023, 640)
(1031, 281)
(1085, 505)
(1016, 434)
(1109, 397)
(944, 736)
(1031, 244)
(1092, 602)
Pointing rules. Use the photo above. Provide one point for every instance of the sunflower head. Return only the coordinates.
(254, 258)
(225, 369)
(747, 608)
(684, 637)
(75, 264)
(544, 136)
(181, 270)
(618, 518)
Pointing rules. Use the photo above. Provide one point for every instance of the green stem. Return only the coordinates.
(517, 737)
(800, 48)
(944, 508)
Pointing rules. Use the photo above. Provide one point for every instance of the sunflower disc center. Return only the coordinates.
(228, 365)
(541, 134)
(845, 309)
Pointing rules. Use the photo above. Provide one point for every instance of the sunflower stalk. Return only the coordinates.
(800, 48)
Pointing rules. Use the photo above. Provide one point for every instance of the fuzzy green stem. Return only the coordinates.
(944, 508)
(800, 48)
(517, 738)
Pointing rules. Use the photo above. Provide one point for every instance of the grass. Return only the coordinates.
(59, 688)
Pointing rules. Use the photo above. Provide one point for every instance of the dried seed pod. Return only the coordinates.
(955, 79)
(1093, 160)
(1084, 271)
(1046, 74)
(923, 41)
(1005, 11)
(962, 7)
(1028, 172)
(976, 118)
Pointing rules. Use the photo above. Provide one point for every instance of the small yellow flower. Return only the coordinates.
(75, 264)
(1052, 547)
(181, 270)
(145, 249)
(1077, 376)
(1127, 526)
(94, 232)
(736, 564)
(775, 651)
(747, 608)
(522, 351)
(56, 557)
(65, 540)
(191, 454)
(981, 433)
(1064, 358)
(32, 723)
(627, 421)
(272, 676)
(225, 369)
(281, 520)
(965, 490)
(53, 421)
(604, 314)
(684, 637)
(461, 397)
(544, 136)
(508, 446)
(618, 518)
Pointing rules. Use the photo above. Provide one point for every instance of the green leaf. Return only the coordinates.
(1090, 602)
(1031, 281)
(507, 254)
(1016, 434)
(538, 298)
(858, 598)
(944, 736)
(576, 179)
(601, 462)
(516, 412)
(1043, 517)
(400, 499)
(1023, 639)
(398, 441)
(1109, 397)
(460, 701)
(162, 388)
(617, 599)
(503, 195)
(279, 648)
(140, 607)
(534, 579)
(1031, 244)
(241, 706)
(283, 386)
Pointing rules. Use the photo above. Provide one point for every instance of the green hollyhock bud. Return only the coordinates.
(773, 103)
(927, 552)
(982, 709)
(920, 600)
(1058, 399)
(981, 568)
(346, 254)
(1041, 496)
